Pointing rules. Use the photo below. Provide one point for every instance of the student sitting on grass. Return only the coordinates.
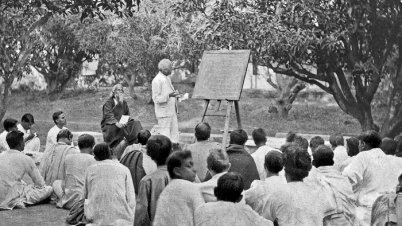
(178, 201)
(227, 211)
(9, 125)
(151, 186)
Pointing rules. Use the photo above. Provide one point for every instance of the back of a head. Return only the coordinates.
(336, 140)
(28, 118)
(175, 160)
(352, 145)
(238, 137)
(315, 142)
(102, 152)
(259, 136)
(297, 162)
(164, 64)
(371, 138)
(290, 136)
(229, 188)
(301, 142)
(218, 161)
(9, 123)
(86, 141)
(143, 136)
(202, 131)
(64, 133)
(14, 139)
(274, 161)
(388, 146)
(323, 156)
(159, 148)
(56, 116)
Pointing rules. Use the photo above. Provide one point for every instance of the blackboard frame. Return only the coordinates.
(198, 89)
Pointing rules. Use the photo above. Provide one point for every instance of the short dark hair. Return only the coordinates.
(56, 116)
(202, 131)
(315, 142)
(229, 188)
(64, 133)
(175, 160)
(86, 141)
(352, 145)
(238, 137)
(301, 142)
(274, 161)
(159, 148)
(297, 162)
(336, 140)
(143, 136)
(217, 160)
(388, 146)
(14, 139)
(9, 123)
(290, 136)
(259, 136)
(28, 118)
(371, 137)
(102, 152)
(323, 156)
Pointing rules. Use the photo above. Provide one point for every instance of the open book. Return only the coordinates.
(124, 119)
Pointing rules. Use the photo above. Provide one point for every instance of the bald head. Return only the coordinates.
(202, 131)
(165, 67)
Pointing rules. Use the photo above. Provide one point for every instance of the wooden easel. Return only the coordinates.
(227, 117)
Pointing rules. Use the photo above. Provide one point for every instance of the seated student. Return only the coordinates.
(388, 146)
(15, 193)
(240, 160)
(297, 203)
(200, 149)
(218, 164)
(261, 190)
(227, 210)
(60, 120)
(69, 189)
(352, 147)
(137, 160)
(178, 201)
(315, 142)
(32, 142)
(337, 188)
(340, 152)
(52, 165)
(260, 139)
(9, 125)
(108, 191)
(151, 186)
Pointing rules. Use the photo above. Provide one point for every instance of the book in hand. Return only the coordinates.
(124, 119)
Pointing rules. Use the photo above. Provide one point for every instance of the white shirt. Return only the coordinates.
(340, 155)
(52, 136)
(3, 142)
(259, 159)
(207, 187)
(26, 132)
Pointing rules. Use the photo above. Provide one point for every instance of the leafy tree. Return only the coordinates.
(318, 42)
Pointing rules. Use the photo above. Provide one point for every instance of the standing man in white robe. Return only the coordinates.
(15, 193)
(32, 142)
(164, 96)
(108, 191)
(371, 174)
(9, 125)
(60, 120)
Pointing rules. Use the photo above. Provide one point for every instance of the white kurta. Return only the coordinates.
(199, 152)
(13, 191)
(259, 159)
(261, 192)
(52, 136)
(3, 142)
(340, 156)
(32, 145)
(228, 214)
(207, 188)
(109, 194)
(177, 204)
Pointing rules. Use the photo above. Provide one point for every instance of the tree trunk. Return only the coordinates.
(4, 99)
(131, 83)
(283, 106)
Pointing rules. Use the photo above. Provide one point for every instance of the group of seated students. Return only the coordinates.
(302, 183)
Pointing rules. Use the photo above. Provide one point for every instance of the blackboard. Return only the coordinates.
(221, 75)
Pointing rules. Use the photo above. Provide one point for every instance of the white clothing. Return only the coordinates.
(261, 191)
(109, 194)
(3, 142)
(32, 145)
(259, 159)
(340, 156)
(177, 203)
(165, 107)
(52, 136)
(199, 152)
(346, 163)
(207, 188)
(13, 191)
(228, 214)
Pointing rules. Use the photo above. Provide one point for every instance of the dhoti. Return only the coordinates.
(169, 127)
